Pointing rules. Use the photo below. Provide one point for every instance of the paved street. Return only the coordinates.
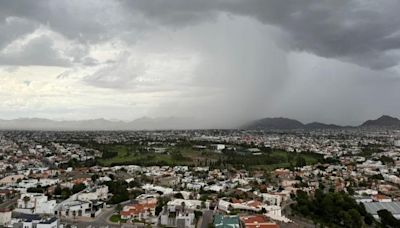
(102, 220)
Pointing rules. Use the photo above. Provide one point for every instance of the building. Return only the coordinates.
(381, 198)
(236, 205)
(189, 204)
(218, 147)
(76, 208)
(35, 203)
(374, 207)
(33, 221)
(140, 210)
(97, 193)
(178, 216)
(258, 221)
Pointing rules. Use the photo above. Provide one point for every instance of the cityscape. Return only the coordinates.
(199, 114)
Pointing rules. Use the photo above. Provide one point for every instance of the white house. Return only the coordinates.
(35, 203)
(74, 208)
(177, 216)
(98, 193)
(33, 221)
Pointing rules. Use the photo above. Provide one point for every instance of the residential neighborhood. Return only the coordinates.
(51, 179)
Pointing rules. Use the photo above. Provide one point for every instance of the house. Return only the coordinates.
(33, 221)
(35, 203)
(75, 208)
(97, 193)
(249, 206)
(258, 221)
(139, 210)
(43, 223)
(222, 221)
(189, 204)
(177, 216)
(381, 198)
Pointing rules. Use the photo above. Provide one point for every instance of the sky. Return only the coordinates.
(220, 62)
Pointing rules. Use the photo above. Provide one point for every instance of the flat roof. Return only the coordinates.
(374, 207)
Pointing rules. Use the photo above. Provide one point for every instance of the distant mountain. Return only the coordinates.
(275, 123)
(286, 124)
(100, 124)
(383, 121)
(318, 125)
(290, 124)
(167, 123)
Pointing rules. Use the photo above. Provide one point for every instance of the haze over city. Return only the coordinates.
(221, 63)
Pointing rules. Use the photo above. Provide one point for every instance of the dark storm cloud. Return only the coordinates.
(362, 32)
(84, 20)
(359, 31)
(13, 27)
(38, 51)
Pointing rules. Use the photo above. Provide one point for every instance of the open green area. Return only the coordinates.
(271, 159)
(117, 219)
(123, 154)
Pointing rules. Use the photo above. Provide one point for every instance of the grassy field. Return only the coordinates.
(187, 155)
(117, 219)
(128, 154)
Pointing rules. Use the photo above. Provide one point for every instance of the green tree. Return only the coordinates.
(387, 219)
(78, 187)
(26, 199)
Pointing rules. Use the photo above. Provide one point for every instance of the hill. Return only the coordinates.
(274, 123)
(383, 121)
(318, 125)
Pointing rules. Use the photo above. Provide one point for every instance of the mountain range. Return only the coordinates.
(98, 124)
(145, 123)
(281, 123)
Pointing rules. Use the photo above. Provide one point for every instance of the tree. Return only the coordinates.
(178, 195)
(183, 205)
(57, 190)
(333, 209)
(300, 161)
(386, 160)
(65, 193)
(134, 184)
(356, 218)
(26, 199)
(78, 187)
(94, 177)
(118, 208)
(387, 219)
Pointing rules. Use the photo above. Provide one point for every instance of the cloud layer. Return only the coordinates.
(223, 61)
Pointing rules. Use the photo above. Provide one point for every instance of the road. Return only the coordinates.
(102, 220)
